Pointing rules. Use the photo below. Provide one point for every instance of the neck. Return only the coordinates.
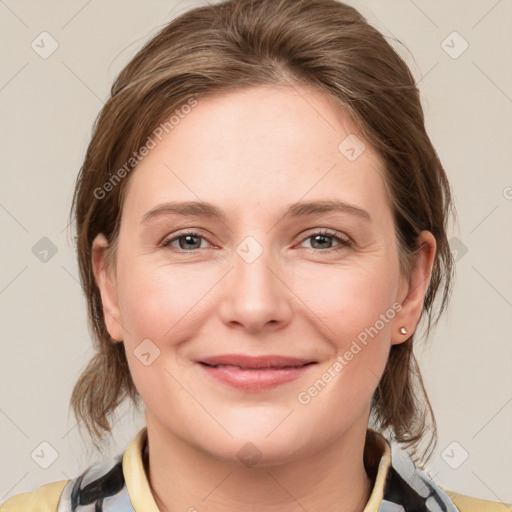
(183, 477)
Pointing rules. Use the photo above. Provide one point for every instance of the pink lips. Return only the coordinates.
(251, 373)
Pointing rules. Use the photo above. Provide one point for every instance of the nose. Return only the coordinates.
(256, 294)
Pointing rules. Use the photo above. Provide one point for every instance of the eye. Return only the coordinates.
(187, 241)
(190, 241)
(322, 240)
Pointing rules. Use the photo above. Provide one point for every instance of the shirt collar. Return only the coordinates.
(377, 460)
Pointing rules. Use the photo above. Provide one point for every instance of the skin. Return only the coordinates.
(300, 298)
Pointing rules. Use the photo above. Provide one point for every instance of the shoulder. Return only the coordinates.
(409, 487)
(44, 499)
(104, 479)
(468, 504)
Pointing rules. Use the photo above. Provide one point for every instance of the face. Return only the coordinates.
(263, 265)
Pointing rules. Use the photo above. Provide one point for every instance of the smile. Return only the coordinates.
(254, 373)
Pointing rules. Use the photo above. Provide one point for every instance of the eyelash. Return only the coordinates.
(343, 242)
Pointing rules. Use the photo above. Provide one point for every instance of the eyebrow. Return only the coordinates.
(300, 209)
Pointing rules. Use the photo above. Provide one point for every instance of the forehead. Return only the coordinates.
(259, 148)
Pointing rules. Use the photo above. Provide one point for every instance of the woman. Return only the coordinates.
(261, 224)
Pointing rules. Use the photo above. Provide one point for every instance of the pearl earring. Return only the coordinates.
(403, 330)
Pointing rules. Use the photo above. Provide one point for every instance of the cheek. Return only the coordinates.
(159, 308)
(349, 299)
(159, 301)
(354, 309)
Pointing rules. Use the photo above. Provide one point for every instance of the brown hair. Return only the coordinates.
(242, 43)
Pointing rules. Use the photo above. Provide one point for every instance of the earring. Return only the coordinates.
(403, 330)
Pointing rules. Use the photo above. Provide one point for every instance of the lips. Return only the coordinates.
(243, 362)
(254, 374)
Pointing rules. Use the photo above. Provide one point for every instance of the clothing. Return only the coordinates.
(121, 485)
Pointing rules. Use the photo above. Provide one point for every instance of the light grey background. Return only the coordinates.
(48, 106)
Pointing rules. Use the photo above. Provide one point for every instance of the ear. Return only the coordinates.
(413, 289)
(107, 287)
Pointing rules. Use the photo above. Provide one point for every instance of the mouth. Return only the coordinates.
(246, 362)
(235, 367)
(250, 373)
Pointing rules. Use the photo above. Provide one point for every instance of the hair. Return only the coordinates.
(237, 44)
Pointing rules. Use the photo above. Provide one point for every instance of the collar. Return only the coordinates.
(377, 460)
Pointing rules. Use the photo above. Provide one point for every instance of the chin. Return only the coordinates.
(257, 444)
(254, 452)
